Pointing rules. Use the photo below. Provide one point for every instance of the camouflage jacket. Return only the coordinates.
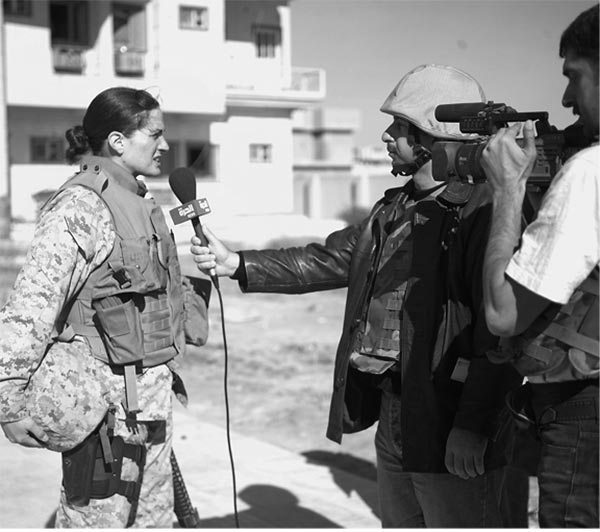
(73, 237)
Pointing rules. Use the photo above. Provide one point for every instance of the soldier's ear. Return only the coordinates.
(116, 142)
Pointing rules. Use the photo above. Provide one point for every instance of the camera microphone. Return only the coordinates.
(183, 184)
(453, 112)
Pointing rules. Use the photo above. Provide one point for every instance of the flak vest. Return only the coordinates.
(562, 341)
(130, 309)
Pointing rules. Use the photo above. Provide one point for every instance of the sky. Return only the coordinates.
(366, 46)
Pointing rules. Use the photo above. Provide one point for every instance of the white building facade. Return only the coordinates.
(220, 68)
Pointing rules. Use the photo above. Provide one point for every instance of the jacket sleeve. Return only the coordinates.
(482, 398)
(72, 238)
(298, 270)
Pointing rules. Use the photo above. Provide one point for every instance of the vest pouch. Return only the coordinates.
(141, 261)
(118, 320)
(196, 295)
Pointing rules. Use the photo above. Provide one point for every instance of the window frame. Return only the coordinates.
(17, 8)
(256, 148)
(261, 44)
(48, 143)
(205, 14)
(77, 22)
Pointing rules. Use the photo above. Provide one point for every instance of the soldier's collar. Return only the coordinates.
(121, 176)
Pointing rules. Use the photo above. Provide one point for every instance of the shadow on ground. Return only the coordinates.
(270, 507)
(343, 462)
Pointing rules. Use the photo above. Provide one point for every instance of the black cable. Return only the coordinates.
(226, 393)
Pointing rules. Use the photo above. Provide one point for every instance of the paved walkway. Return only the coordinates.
(275, 488)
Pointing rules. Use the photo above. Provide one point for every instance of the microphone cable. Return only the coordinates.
(215, 281)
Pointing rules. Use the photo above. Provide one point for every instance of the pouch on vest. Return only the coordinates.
(196, 296)
(120, 328)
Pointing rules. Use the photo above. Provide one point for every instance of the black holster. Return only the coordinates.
(93, 470)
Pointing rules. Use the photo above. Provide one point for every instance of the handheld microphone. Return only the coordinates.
(183, 184)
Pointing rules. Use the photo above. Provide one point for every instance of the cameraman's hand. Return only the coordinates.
(464, 453)
(25, 432)
(506, 164)
(217, 255)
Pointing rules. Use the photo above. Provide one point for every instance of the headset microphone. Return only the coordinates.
(183, 184)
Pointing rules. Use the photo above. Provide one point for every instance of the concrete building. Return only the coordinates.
(332, 176)
(221, 69)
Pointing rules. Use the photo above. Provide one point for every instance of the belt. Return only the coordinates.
(570, 411)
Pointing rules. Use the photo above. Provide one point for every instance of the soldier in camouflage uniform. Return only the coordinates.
(61, 386)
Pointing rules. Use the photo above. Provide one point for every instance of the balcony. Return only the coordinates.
(307, 86)
(68, 59)
(129, 63)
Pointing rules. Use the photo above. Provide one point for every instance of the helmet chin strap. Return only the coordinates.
(422, 156)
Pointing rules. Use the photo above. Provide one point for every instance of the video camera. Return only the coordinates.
(461, 160)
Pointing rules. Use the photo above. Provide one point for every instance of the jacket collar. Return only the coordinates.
(117, 173)
(455, 194)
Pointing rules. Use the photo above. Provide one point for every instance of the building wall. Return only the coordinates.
(191, 72)
(186, 81)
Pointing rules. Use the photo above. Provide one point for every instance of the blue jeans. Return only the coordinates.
(568, 469)
(432, 500)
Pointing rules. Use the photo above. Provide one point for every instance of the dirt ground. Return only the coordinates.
(281, 350)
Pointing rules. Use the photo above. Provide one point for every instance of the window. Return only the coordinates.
(17, 7)
(193, 18)
(261, 153)
(69, 22)
(201, 159)
(129, 27)
(267, 40)
(47, 150)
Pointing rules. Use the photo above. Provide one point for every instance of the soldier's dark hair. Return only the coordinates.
(581, 36)
(121, 109)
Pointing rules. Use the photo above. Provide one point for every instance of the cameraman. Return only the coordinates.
(544, 296)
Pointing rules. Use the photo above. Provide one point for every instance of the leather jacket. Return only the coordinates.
(442, 319)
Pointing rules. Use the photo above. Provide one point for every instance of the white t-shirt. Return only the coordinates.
(561, 246)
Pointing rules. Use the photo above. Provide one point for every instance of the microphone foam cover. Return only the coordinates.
(183, 184)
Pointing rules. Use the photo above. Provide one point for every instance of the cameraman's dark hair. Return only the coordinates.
(121, 109)
(581, 36)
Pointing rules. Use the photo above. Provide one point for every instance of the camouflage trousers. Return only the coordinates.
(155, 506)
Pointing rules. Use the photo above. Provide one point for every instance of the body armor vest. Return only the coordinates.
(377, 344)
(137, 291)
(562, 342)
(130, 309)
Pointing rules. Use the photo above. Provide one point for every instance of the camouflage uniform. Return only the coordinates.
(74, 236)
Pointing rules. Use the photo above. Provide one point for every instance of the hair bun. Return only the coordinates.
(79, 143)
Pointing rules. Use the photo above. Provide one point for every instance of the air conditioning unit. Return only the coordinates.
(129, 63)
(67, 59)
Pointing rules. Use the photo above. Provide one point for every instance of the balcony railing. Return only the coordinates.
(129, 63)
(68, 59)
(306, 84)
(307, 80)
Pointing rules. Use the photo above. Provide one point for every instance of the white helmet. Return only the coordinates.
(419, 92)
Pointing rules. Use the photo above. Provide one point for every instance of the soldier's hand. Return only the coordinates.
(464, 453)
(25, 432)
(505, 162)
(217, 255)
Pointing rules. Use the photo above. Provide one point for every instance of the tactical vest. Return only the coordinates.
(130, 309)
(562, 343)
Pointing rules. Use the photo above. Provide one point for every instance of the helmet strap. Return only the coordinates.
(422, 156)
